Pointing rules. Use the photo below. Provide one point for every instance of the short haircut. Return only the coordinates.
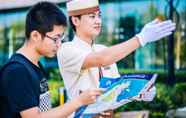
(42, 17)
(71, 23)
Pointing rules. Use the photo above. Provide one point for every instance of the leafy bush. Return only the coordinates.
(54, 74)
(54, 91)
(178, 95)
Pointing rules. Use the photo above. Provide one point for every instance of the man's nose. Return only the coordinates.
(98, 20)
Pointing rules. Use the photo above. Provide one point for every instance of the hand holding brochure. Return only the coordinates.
(119, 91)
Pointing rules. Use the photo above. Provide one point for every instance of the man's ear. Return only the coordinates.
(75, 21)
(35, 35)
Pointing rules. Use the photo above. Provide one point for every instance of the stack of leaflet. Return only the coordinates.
(117, 92)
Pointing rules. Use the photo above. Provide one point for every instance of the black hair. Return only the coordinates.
(42, 17)
(71, 23)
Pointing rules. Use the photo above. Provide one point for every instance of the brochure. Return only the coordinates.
(117, 92)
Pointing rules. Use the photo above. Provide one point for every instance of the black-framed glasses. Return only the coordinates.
(55, 39)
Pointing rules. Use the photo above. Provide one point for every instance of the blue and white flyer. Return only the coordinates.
(119, 91)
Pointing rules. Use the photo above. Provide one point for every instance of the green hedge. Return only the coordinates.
(54, 91)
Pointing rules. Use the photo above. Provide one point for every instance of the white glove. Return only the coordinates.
(155, 30)
(148, 95)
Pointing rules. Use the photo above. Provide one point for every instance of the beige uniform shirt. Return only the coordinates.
(71, 56)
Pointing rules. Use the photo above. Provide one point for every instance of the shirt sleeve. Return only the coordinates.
(20, 93)
(70, 58)
(109, 70)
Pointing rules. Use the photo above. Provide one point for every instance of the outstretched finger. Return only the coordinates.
(170, 27)
(164, 23)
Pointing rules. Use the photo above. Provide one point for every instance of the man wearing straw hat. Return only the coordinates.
(82, 62)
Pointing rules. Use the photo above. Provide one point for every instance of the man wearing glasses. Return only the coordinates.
(82, 62)
(59, 37)
(23, 86)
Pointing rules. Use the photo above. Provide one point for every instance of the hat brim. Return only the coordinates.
(83, 11)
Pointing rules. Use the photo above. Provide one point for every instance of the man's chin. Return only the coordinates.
(51, 55)
(96, 34)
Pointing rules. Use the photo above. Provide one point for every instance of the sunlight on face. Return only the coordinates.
(90, 24)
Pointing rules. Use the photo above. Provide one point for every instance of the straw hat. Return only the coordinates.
(79, 7)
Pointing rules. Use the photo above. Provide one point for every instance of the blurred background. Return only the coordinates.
(122, 19)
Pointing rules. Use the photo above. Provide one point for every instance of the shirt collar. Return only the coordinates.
(83, 44)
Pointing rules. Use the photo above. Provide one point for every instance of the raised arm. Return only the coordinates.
(112, 54)
(151, 32)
